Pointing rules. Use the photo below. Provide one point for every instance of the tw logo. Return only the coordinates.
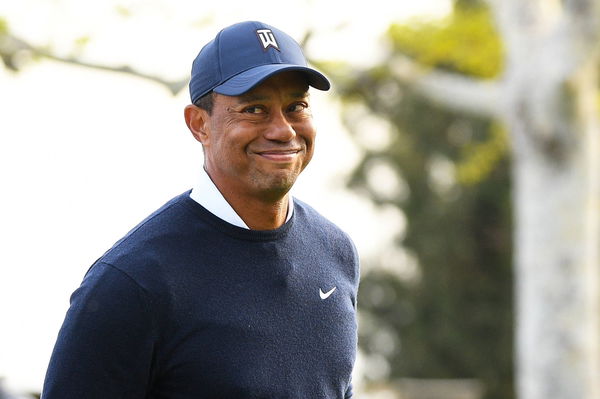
(267, 39)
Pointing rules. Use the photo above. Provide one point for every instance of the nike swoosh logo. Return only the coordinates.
(325, 295)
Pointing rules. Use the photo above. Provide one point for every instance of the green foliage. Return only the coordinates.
(3, 26)
(6, 50)
(123, 11)
(465, 42)
(82, 41)
(456, 320)
(469, 4)
(479, 159)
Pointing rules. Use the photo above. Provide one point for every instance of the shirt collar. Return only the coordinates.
(206, 193)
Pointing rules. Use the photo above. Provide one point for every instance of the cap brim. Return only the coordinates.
(247, 80)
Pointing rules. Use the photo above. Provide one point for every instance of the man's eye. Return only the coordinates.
(297, 107)
(254, 110)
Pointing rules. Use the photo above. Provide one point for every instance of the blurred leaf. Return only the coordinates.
(123, 11)
(479, 159)
(464, 42)
(82, 41)
(3, 26)
(204, 21)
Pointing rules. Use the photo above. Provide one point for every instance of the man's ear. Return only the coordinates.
(196, 119)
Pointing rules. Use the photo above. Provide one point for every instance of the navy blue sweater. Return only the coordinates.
(188, 306)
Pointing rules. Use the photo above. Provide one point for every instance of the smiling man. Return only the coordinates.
(256, 145)
(233, 289)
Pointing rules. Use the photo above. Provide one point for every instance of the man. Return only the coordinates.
(232, 290)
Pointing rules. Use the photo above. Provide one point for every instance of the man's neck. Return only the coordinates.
(259, 212)
(259, 215)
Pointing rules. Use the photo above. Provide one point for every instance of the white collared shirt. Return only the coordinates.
(208, 195)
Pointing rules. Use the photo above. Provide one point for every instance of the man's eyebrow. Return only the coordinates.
(301, 94)
(251, 97)
(255, 97)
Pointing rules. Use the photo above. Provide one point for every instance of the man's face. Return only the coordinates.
(258, 143)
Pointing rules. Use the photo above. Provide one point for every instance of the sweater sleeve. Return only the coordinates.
(105, 346)
(349, 393)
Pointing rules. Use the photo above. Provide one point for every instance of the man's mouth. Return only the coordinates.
(280, 155)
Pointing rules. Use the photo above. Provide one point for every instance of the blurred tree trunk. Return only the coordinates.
(548, 99)
(550, 106)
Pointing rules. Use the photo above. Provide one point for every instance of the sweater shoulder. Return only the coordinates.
(319, 228)
(159, 221)
(141, 252)
(316, 222)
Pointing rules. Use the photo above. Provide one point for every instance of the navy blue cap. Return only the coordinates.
(243, 55)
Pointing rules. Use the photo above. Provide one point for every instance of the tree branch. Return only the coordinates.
(11, 45)
(454, 91)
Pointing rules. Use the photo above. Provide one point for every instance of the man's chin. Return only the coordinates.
(276, 185)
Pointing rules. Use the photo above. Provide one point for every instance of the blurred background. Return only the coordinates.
(413, 160)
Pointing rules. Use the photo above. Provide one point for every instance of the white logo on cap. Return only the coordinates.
(267, 39)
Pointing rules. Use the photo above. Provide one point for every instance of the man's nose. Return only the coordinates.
(280, 128)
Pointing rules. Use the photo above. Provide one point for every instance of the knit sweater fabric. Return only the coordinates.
(188, 306)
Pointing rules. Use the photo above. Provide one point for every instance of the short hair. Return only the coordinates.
(206, 102)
